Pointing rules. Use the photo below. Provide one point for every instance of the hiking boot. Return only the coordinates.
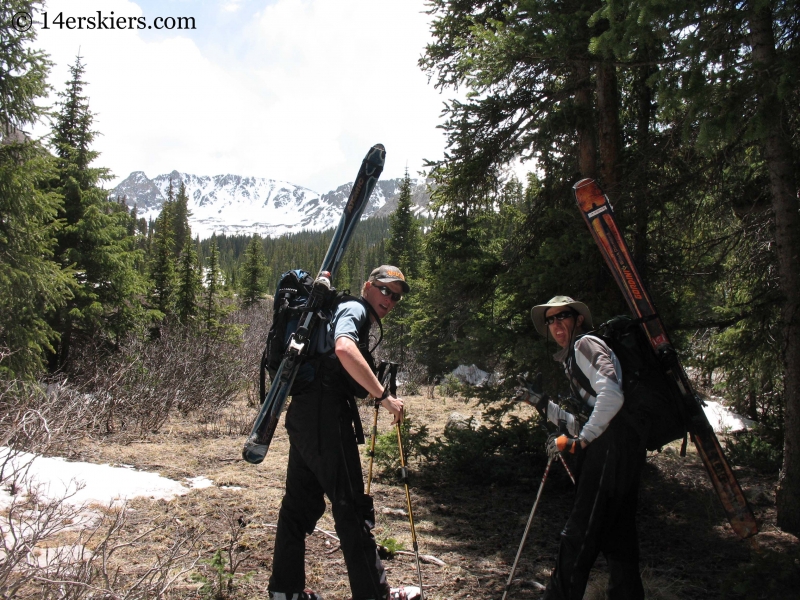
(304, 595)
(405, 592)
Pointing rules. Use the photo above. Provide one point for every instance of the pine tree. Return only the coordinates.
(254, 273)
(181, 219)
(404, 247)
(162, 266)
(32, 285)
(213, 285)
(189, 284)
(94, 239)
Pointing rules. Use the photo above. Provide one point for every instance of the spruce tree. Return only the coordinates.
(404, 250)
(254, 273)
(213, 285)
(32, 284)
(189, 284)
(162, 263)
(404, 247)
(181, 219)
(95, 239)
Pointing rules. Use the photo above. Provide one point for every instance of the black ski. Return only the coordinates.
(257, 444)
(599, 216)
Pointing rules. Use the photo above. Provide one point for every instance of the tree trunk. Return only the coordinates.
(608, 126)
(778, 155)
(587, 151)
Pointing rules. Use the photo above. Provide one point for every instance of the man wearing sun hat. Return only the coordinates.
(610, 455)
(324, 432)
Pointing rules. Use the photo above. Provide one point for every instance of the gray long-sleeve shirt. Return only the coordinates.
(601, 367)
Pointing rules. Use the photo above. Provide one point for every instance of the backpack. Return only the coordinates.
(291, 295)
(649, 393)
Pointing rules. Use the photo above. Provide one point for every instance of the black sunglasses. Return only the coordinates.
(389, 293)
(559, 317)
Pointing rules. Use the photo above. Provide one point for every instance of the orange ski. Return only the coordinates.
(599, 216)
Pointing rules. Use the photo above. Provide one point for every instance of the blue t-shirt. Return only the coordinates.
(348, 318)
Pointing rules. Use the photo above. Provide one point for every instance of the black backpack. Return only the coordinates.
(648, 391)
(294, 289)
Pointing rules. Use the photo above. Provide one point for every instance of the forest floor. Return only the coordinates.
(688, 549)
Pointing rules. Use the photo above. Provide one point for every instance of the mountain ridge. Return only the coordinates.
(239, 205)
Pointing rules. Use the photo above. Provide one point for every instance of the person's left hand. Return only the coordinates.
(395, 406)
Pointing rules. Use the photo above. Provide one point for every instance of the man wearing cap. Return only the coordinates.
(610, 457)
(324, 432)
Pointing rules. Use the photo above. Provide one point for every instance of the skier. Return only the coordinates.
(610, 452)
(324, 429)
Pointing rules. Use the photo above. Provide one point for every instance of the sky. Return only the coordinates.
(293, 90)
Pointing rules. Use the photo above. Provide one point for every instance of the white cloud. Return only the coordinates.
(296, 91)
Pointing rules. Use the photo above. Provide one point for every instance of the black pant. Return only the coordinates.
(603, 518)
(324, 460)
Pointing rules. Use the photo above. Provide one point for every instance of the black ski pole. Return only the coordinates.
(404, 478)
(527, 528)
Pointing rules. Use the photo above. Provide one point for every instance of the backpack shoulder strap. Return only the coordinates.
(577, 376)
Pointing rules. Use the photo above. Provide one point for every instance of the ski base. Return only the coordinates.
(257, 445)
(599, 216)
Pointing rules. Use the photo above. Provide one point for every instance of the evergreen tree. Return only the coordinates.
(213, 286)
(404, 247)
(189, 283)
(94, 239)
(32, 285)
(254, 273)
(162, 266)
(181, 219)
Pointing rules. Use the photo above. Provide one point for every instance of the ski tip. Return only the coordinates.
(583, 183)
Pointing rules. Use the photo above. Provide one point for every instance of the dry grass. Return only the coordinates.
(687, 547)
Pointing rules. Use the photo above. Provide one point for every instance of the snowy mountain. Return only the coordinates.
(232, 204)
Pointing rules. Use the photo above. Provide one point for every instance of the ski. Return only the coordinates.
(599, 216)
(257, 444)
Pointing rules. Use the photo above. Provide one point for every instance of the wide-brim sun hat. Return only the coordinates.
(538, 312)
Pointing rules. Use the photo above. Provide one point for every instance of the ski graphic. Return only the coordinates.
(257, 444)
(599, 216)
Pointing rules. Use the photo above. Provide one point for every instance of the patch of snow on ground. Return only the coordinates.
(724, 420)
(88, 483)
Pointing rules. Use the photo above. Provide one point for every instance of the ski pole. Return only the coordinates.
(383, 373)
(404, 479)
(527, 528)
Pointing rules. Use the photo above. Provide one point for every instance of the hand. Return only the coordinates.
(395, 406)
(531, 392)
(557, 443)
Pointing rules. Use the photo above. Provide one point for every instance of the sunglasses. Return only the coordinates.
(389, 293)
(559, 317)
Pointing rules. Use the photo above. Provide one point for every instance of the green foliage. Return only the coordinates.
(254, 277)
(189, 284)
(769, 574)
(759, 448)
(23, 69)
(162, 265)
(31, 283)
(95, 239)
(404, 247)
(497, 453)
(306, 250)
(220, 584)
(387, 453)
(387, 547)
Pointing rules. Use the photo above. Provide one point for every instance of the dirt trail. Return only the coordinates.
(688, 549)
